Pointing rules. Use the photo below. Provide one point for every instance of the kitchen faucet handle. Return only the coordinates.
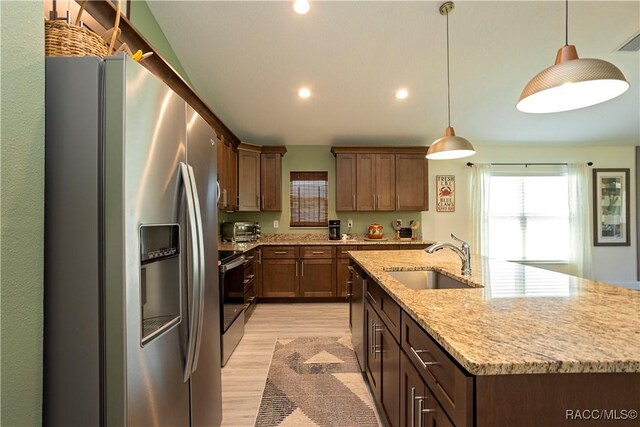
(459, 240)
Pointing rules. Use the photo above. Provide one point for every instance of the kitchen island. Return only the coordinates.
(518, 346)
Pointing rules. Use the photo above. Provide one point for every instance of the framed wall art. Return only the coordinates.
(445, 193)
(611, 212)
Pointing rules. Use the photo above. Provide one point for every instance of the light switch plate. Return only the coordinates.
(276, 223)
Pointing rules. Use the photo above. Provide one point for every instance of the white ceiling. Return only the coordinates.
(247, 60)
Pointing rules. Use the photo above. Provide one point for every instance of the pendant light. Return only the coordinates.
(571, 83)
(449, 146)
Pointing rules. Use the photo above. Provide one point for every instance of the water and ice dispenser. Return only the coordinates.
(160, 282)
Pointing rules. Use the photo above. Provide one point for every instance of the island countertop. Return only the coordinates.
(516, 319)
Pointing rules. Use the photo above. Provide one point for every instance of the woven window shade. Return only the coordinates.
(308, 196)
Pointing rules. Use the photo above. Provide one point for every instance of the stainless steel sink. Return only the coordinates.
(427, 279)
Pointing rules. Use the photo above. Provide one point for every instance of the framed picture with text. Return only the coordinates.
(445, 193)
(611, 207)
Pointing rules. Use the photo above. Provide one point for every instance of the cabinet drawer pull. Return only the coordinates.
(348, 288)
(280, 252)
(317, 252)
(413, 407)
(248, 259)
(372, 298)
(377, 348)
(296, 268)
(354, 202)
(422, 410)
(422, 362)
(344, 252)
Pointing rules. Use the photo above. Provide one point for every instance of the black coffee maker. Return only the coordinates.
(334, 229)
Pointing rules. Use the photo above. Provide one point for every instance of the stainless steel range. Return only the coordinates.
(232, 301)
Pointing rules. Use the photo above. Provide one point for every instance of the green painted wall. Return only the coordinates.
(144, 21)
(21, 210)
(317, 158)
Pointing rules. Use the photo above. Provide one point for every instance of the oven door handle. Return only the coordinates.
(201, 268)
(195, 271)
(233, 264)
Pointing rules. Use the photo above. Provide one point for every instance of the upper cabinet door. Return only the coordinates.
(385, 179)
(412, 189)
(221, 148)
(233, 179)
(366, 181)
(248, 180)
(270, 182)
(345, 182)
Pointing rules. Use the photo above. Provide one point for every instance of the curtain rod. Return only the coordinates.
(528, 164)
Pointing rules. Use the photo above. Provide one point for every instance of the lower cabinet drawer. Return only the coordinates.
(342, 251)
(317, 252)
(451, 385)
(388, 310)
(270, 252)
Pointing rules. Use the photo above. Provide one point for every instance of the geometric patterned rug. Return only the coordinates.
(315, 381)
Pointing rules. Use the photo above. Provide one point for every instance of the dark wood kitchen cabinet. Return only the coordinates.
(385, 182)
(227, 163)
(382, 365)
(412, 177)
(271, 179)
(279, 271)
(279, 277)
(248, 178)
(375, 177)
(343, 274)
(345, 182)
(317, 271)
(418, 406)
(291, 271)
(381, 178)
(250, 297)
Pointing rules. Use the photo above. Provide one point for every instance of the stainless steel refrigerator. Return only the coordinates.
(132, 321)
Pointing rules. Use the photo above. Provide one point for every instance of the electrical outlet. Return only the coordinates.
(350, 223)
(276, 223)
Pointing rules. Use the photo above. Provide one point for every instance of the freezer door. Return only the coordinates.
(145, 143)
(206, 389)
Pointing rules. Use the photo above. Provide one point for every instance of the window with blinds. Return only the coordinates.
(529, 218)
(309, 199)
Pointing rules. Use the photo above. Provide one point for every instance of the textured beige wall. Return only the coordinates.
(21, 210)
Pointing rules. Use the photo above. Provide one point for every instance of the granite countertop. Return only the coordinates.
(316, 239)
(516, 319)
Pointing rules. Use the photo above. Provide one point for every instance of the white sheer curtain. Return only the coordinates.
(480, 185)
(579, 220)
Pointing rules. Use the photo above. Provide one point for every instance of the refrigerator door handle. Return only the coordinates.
(195, 271)
(201, 268)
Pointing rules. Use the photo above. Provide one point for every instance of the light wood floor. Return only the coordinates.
(245, 373)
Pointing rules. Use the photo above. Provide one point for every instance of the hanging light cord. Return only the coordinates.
(566, 22)
(448, 78)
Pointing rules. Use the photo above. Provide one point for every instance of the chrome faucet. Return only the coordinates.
(464, 252)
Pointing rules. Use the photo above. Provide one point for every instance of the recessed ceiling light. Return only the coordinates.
(402, 93)
(304, 92)
(301, 6)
